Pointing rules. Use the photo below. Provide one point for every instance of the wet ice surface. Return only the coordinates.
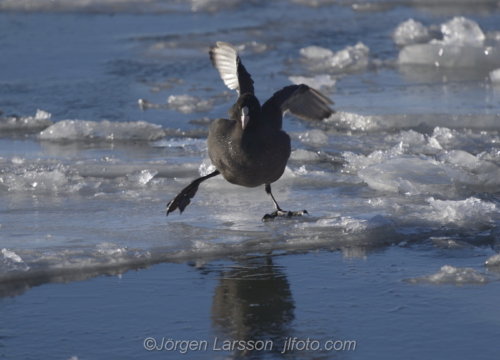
(104, 123)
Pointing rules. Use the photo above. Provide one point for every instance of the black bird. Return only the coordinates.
(250, 149)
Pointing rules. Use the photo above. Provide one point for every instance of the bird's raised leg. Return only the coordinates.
(278, 211)
(183, 198)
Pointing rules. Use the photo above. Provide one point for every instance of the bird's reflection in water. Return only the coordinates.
(253, 302)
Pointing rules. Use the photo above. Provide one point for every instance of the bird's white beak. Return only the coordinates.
(244, 117)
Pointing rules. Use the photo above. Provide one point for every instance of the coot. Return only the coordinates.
(250, 148)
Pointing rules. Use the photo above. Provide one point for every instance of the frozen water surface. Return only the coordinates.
(105, 110)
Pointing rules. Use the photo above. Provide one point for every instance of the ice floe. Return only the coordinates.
(71, 130)
(463, 212)
(188, 104)
(88, 177)
(454, 276)
(463, 45)
(411, 32)
(350, 59)
(41, 120)
(462, 31)
(495, 76)
(493, 260)
(313, 137)
(304, 155)
(361, 122)
(440, 173)
(142, 177)
(10, 261)
(410, 175)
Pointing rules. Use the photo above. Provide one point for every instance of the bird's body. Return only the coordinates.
(251, 157)
(250, 148)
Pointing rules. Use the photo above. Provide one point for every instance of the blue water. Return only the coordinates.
(401, 183)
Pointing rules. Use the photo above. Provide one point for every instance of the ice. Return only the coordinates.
(11, 255)
(495, 76)
(87, 176)
(450, 55)
(442, 122)
(450, 243)
(72, 262)
(395, 170)
(188, 144)
(13, 123)
(462, 46)
(408, 174)
(418, 143)
(10, 261)
(352, 58)
(493, 260)
(410, 32)
(461, 31)
(142, 177)
(316, 82)
(348, 224)
(357, 162)
(70, 130)
(110, 250)
(188, 104)
(34, 178)
(313, 137)
(475, 172)
(316, 53)
(463, 212)
(314, 3)
(304, 155)
(354, 121)
(206, 167)
(213, 5)
(454, 276)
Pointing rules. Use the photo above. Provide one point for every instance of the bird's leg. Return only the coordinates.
(183, 198)
(278, 211)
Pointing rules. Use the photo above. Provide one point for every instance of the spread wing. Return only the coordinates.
(226, 60)
(300, 100)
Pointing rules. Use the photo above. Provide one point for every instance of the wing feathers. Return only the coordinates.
(307, 103)
(226, 60)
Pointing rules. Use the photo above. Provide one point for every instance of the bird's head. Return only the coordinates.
(246, 110)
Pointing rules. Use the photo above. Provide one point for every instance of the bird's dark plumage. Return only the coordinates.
(250, 148)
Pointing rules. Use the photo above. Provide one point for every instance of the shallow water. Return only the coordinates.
(401, 184)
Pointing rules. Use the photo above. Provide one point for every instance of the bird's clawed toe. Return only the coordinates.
(282, 213)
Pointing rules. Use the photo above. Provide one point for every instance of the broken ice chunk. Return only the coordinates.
(316, 53)
(104, 130)
(188, 104)
(461, 31)
(462, 46)
(441, 54)
(493, 260)
(452, 275)
(411, 175)
(352, 58)
(495, 76)
(141, 177)
(410, 32)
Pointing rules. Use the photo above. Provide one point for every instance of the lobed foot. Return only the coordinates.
(282, 213)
